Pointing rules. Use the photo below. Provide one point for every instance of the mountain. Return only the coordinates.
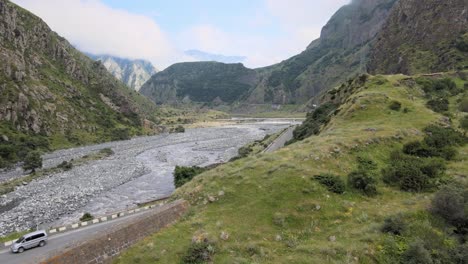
(134, 73)
(375, 36)
(200, 82)
(422, 37)
(340, 52)
(54, 96)
(205, 56)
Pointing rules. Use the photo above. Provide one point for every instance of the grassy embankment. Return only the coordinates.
(268, 209)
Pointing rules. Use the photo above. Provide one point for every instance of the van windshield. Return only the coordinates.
(19, 239)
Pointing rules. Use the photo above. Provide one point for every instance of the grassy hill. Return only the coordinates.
(270, 208)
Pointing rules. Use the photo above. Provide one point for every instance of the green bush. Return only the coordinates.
(412, 173)
(179, 129)
(120, 134)
(439, 87)
(464, 105)
(438, 105)
(86, 217)
(363, 181)
(332, 182)
(451, 204)
(464, 123)
(417, 254)
(395, 225)
(106, 151)
(199, 253)
(366, 164)
(395, 106)
(183, 174)
(65, 165)
(440, 137)
(314, 121)
(32, 161)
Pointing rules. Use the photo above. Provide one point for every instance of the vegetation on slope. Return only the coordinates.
(270, 208)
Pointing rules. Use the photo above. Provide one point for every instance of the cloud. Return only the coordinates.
(96, 28)
(276, 31)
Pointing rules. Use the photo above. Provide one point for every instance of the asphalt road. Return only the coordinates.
(281, 140)
(62, 241)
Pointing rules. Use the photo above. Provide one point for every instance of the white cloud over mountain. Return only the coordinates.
(100, 29)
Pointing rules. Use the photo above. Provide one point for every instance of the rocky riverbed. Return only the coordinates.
(140, 170)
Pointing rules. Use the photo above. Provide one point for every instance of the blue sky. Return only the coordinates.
(265, 31)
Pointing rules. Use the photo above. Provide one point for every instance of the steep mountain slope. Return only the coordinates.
(270, 208)
(134, 73)
(339, 53)
(48, 88)
(423, 36)
(200, 82)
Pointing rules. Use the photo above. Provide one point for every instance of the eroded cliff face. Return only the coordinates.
(48, 87)
(133, 73)
(422, 36)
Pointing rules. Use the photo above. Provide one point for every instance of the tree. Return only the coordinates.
(32, 161)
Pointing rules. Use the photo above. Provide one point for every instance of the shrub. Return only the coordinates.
(417, 254)
(395, 225)
(464, 123)
(451, 204)
(120, 134)
(464, 105)
(32, 161)
(440, 137)
(411, 173)
(362, 181)
(395, 106)
(106, 151)
(438, 105)
(65, 165)
(183, 174)
(314, 120)
(86, 217)
(332, 182)
(179, 129)
(366, 164)
(199, 253)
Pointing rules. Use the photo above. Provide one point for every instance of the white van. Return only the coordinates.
(34, 239)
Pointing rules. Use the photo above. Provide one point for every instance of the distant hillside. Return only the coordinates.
(200, 82)
(376, 36)
(134, 73)
(341, 52)
(422, 37)
(52, 96)
(205, 56)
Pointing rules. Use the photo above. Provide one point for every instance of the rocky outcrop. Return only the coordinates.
(422, 36)
(134, 73)
(48, 87)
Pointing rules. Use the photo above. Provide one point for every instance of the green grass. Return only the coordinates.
(13, 236)
(275, 212)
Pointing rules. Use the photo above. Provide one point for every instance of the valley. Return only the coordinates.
(140, 170)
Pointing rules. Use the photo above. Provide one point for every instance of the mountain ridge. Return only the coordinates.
(132, 72)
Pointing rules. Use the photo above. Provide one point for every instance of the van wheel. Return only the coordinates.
(42, 243)
(20, 250)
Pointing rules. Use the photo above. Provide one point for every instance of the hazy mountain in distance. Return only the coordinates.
(206, 56)
(134, 73)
